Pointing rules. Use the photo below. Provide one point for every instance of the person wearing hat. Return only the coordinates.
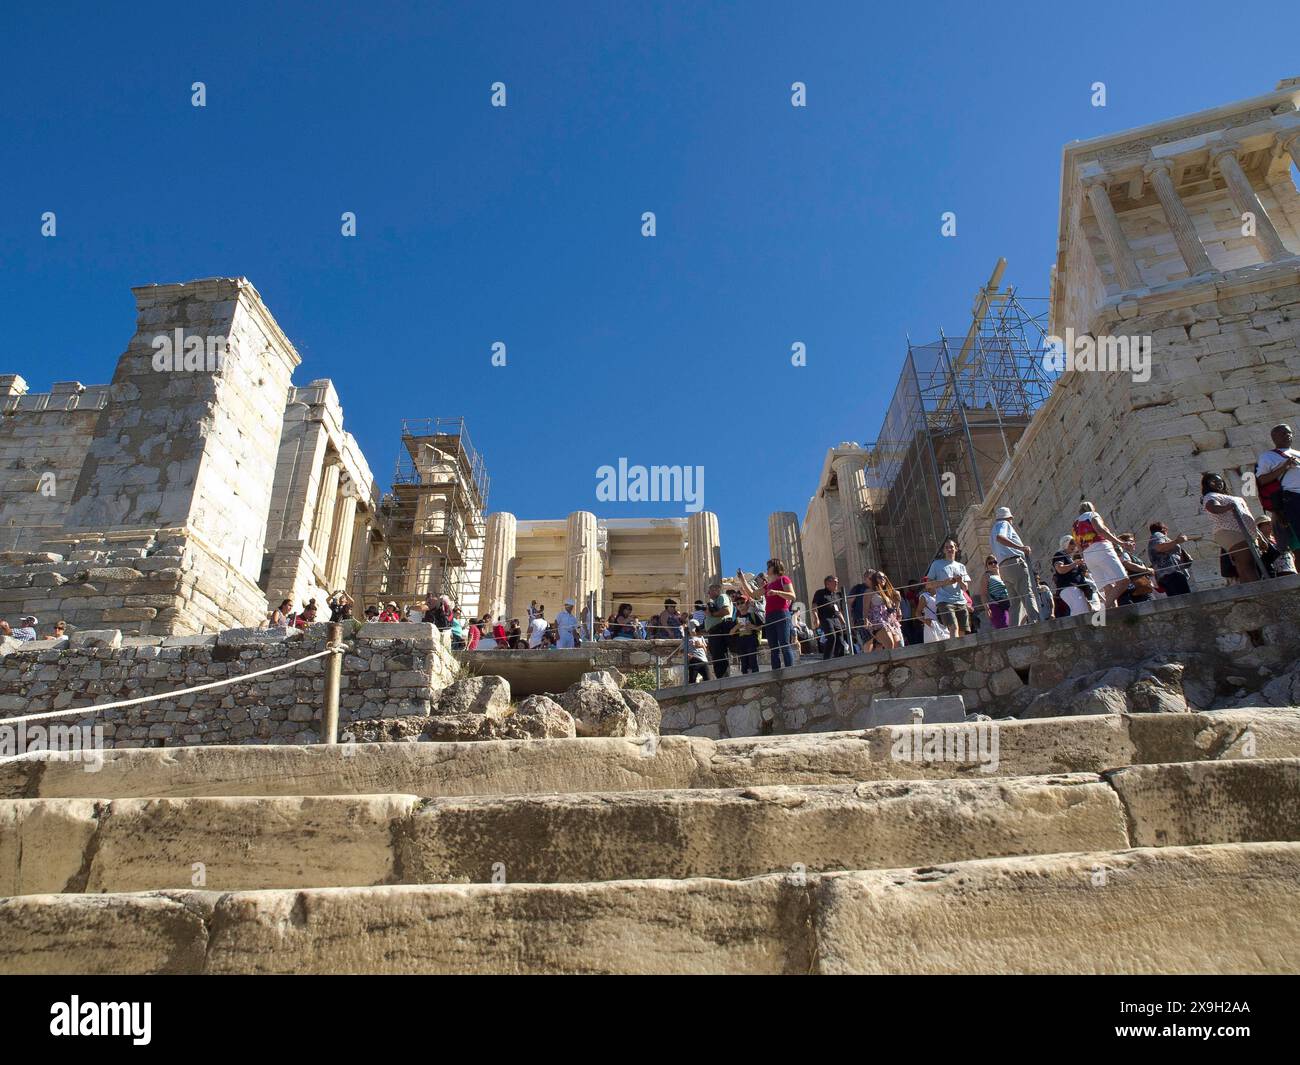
(1012, 556)
(26, 628)
(566, 624)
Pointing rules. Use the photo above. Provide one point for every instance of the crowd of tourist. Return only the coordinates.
(1093, 568)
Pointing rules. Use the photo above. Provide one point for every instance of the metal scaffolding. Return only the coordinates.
(958, 410)
(430, 531)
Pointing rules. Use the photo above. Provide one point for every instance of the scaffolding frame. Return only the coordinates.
(433, 520)
(957, 412)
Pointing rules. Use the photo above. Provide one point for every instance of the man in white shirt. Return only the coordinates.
(1281, 464)
(536, 626)
(1013, 567)
(565, 624)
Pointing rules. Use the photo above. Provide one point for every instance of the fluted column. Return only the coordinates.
(851, 479)
(1180, 222)
(785, 542)
(1246, 201)
(1126, 269)
(582, 571)
(340, 549)
(498, 553)
(323, 525)
(703, 553)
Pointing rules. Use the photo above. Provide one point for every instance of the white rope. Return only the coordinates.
(94, 709)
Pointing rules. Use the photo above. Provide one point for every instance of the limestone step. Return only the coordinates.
(1228, 908)
(1023, 748)
(247, 843)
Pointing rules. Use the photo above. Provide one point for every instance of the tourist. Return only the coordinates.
(831, 621)
(914, 626)
(884, 614)
(515, 637)
(1098, 545)
(934, 630)
(778, 600)
(1278, 561)
(695, 653)
(697, 613)
(60, 630)
(1171, 562)
(457, 626)
(803, 639)
(947, 581)
(720, 619)
(282, 616)
(993, 590)
(340, 604)
(1012, 557)
(26, 631)
(1046, 599)
(858, 596)
(668, 621)
(1073, 584)
(1234, 525)
(536, 625)
(566, 625)
(390, 614)
(749, 627)
(1141, 579)
(500, 635)
(307, 616)
(1277, 475)
(473, 635)
(622, 626)
(372, 613)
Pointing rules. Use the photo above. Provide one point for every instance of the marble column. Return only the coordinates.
(785, 542)
(1127, 273)
(851, 481)
(1246, 201)
(323, 524)
(582, 569)
(499, 547)
(703, 553)
(340, 549)
(1180, 222)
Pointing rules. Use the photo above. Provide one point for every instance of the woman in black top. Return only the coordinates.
(1071, 575)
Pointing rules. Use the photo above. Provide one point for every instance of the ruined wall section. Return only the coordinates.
(44, 437)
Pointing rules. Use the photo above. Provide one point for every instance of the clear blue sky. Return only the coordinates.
(479, 224)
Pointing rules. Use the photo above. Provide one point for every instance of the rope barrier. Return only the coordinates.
(97, 707)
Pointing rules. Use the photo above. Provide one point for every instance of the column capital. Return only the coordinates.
(1163, 163)
(1289, 142)
(1218, 151)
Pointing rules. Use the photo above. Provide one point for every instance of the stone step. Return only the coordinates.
(1228, 908)
(502, 767)
(248, 843)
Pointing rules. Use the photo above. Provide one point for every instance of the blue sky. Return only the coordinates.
(523, 224)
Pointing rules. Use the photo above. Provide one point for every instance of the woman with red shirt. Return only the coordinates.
(778, 597)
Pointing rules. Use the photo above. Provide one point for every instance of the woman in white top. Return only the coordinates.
(934, 631)
(1098, 544)
(1233, 523)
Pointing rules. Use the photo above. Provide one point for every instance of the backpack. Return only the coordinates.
(1270, 495)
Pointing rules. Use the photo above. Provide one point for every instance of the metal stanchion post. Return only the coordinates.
(333, 681)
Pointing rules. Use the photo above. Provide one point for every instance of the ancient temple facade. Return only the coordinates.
(641, 561)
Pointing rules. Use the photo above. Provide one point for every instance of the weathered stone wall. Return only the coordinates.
(388, 671)
(1220, 642)
(43, 442)
(1225, 369)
